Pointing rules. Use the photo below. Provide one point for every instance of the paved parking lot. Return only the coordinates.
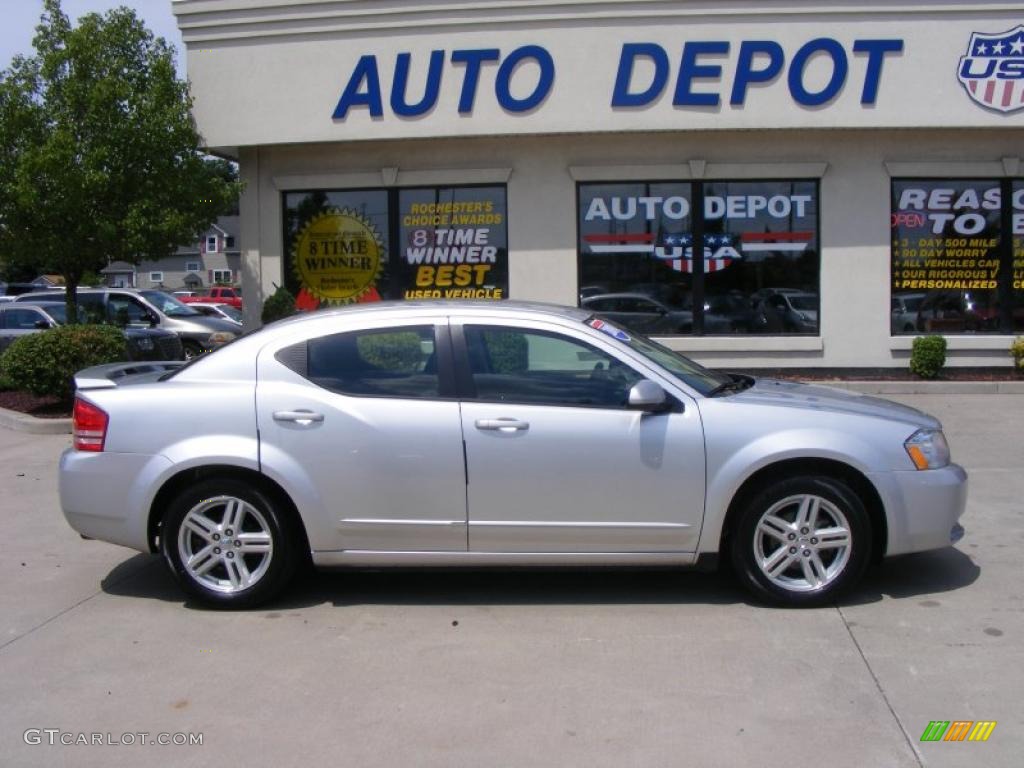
(604, 668)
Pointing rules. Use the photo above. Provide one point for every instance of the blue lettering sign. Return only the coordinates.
(689, 69)
(745, 72)
(503, 85)
(355, 96)
(398, 90)
(835, 51)
(876, 51)
(473, 61)
(621, 95)
(699, 81)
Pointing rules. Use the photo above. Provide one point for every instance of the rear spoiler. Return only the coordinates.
(120, 374)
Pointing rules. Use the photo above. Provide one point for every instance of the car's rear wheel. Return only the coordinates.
(229, 544)
(802, 541)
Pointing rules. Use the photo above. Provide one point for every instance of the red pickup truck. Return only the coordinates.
(221, 294)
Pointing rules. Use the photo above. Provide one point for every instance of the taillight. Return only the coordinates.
(89, 426)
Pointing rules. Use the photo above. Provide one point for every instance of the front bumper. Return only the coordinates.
(923, 508)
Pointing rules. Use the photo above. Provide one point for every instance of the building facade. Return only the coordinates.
(764, 184)
(213, 258)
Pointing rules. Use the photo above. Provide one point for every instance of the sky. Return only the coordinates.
(22, 16)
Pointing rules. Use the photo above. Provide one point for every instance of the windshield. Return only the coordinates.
(696, 376)
(231, 312)
(804, 303)
(167, 304)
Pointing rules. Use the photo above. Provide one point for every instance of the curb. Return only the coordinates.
(22, 422)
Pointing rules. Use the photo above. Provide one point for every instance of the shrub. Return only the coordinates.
(279, 305)
(928, 356)
(1017, 350)
(397, 351)
(45, 363)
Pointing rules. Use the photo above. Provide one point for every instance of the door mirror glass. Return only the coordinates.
(646, 395)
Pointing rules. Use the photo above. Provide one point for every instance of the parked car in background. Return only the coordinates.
(150, 309)
(219, 294)
(787, 312)
(21, 318)
(905, 307)
(641, 313)
(215, 309)
(948, 311)
(501, 434)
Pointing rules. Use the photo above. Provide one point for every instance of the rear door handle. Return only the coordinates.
(303, 417)
(503, 425)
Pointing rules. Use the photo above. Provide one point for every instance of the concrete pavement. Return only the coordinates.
(517, 668)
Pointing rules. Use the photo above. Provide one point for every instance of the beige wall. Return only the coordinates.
(541, 173)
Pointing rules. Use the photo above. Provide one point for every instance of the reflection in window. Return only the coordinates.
(760, 256)
(953, 270)
(521, 366)
(385, 363)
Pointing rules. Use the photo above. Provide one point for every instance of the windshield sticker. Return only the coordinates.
(608, 328)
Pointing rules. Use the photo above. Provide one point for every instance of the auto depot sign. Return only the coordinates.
(697, 81)
(878, 72)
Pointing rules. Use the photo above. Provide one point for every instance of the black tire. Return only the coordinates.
(264, 527)
(803, 570)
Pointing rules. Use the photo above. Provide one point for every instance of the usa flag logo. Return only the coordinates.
(992, 71)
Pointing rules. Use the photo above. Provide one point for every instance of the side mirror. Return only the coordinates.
(154, 321)
(649, 397)
(42, 325)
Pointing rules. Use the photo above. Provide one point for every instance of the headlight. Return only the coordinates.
(928, 449)
(220, 337)
(144, 343)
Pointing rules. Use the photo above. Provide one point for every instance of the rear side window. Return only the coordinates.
(21, 319)
(391, 362)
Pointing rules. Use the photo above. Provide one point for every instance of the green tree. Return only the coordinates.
(100, 158)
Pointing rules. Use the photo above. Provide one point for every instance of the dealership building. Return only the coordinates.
(758, 184)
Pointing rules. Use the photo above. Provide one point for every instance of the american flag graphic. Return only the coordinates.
(677, 248)
(992, 68)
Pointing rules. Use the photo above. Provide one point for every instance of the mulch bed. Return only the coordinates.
(40, 407)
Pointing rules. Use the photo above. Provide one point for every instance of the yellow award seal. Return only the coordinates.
(338, 256)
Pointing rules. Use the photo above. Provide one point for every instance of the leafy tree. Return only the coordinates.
(99, 155)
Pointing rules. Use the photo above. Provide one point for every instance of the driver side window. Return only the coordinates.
(519, 365)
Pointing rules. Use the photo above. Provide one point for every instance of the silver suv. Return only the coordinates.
(130, 307)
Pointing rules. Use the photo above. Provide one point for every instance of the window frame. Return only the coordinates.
(230, 279)
(1004, 251)
(464, 372)
(193, 266)
(156, 280)
(446, 386)
(394, 223)
(698, 187)
(215, 240)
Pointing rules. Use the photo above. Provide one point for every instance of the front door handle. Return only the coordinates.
(503, 425)
(301, 417)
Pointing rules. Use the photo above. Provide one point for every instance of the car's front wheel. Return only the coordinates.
(802, 541)
(229, 544)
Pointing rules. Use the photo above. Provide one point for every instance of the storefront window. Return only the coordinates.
(760, 265)
(352, 246)
(953, 269)
(454, 243)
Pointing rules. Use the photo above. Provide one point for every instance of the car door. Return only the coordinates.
(557, 462)
(367, 421)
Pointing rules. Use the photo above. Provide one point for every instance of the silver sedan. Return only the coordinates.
(499, 434)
